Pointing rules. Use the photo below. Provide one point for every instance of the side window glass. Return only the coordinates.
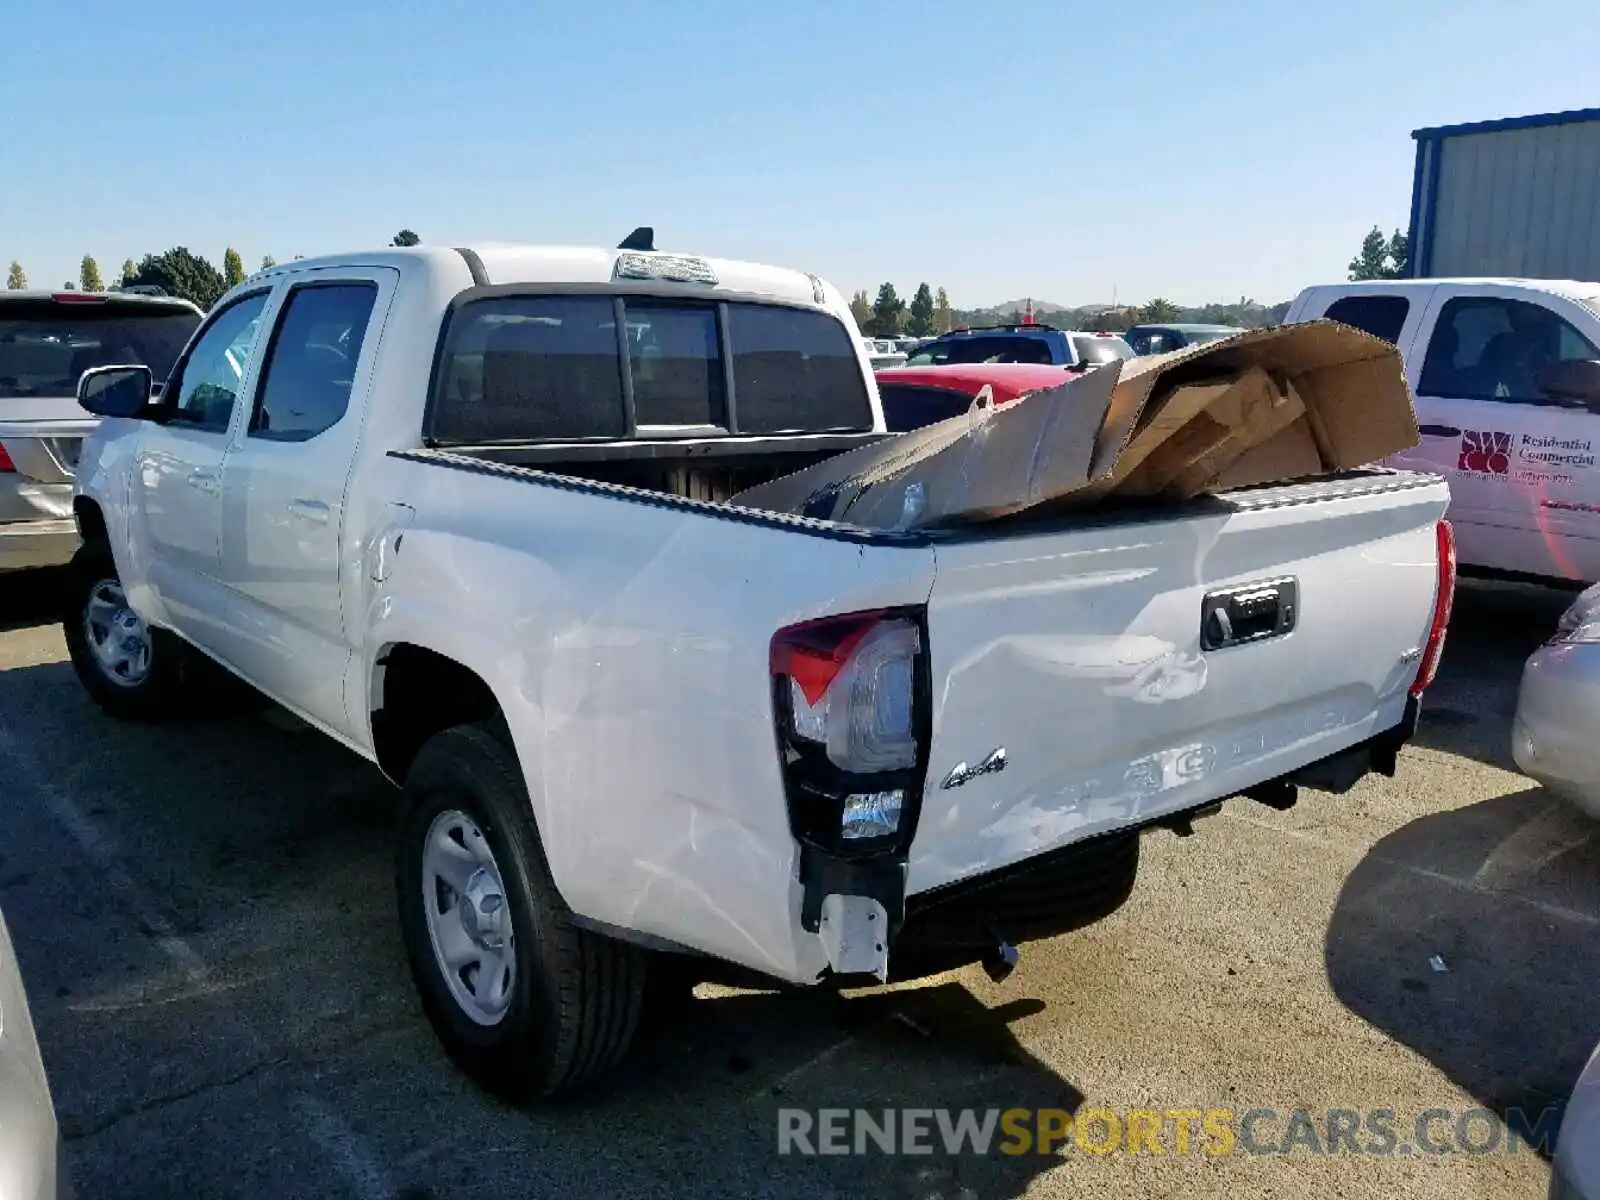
(1381, 316)
(212, 375)
(1489, 348)
(311, 362)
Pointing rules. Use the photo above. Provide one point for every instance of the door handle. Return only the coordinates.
(309, 510)
(1438, 431)
(203, 481)
(1251, 612)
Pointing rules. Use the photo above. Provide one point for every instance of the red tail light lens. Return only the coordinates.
(850, 701)
(1443, 602)
(6, 465)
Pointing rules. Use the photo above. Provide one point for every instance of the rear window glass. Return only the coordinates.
(908, 406)
(676, 361)
(795, 370)
(1021, 349)
(550, 368)
(1097, 351)
(1381, 316)
(45, 345)
(535, 368)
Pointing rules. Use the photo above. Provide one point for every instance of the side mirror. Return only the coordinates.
(1576, 381)
(115, 391)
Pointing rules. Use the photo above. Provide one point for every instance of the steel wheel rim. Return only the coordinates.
(469, 922)
(118, 638)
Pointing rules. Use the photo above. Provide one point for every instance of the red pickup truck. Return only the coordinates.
(917, 396)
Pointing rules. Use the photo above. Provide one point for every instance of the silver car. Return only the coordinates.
(48, 339)
(1555, 736)
(1576, 1174)
(31, 1167)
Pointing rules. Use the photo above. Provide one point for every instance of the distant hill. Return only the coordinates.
(1245, 313)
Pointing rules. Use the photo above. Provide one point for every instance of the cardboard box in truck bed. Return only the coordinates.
(1264, 406)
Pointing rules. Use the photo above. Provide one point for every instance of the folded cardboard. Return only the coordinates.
(988, 462)
(1263, 406)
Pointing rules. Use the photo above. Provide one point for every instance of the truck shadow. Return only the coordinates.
(1506, 894)
(29, 598)
(263, 850)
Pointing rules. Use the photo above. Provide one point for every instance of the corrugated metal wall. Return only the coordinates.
(1518, 202)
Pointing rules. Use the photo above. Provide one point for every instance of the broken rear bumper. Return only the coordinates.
(860, 909)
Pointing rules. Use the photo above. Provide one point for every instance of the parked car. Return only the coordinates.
(48, 339)
(1575, 1174)
(491, 551)
(1022, 344)
(1553, 734)
(1162, 339)
(916, 396)
(1506, 380)
(31, 1163)
(882, 352)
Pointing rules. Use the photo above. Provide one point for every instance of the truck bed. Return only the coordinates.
(1075, 648)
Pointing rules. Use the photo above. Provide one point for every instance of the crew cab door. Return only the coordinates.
(177, 481)
(285, 483)
(1522, 465)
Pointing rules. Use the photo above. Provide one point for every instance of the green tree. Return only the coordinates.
(1380, 257)
(943, 318)
(180, 272)
(861, 310)
(232, 267)
(268, 262)
(888, 311)
(70, 285)
(1399, 255)
(89, 275)
(128, 272)
(405, 238)
(1159, 309)
(919, 320)
(16, 278)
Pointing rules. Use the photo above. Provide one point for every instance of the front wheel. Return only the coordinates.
(524, 1001)
(132, 671)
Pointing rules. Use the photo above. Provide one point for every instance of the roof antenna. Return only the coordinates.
(642, 238)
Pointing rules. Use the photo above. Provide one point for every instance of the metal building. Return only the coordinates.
(1518, 197)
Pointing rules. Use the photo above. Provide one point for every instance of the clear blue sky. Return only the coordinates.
(1052, 148)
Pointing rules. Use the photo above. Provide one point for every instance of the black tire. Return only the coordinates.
(576, 996)
(159, 695)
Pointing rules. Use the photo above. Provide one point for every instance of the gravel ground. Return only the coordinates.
(204, 920)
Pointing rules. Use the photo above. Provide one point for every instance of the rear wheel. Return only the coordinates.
(523, 1000)
(132, 671)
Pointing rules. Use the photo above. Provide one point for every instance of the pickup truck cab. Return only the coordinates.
(1505, 375)
(467, 512)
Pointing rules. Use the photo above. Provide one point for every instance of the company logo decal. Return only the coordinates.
(1485, 452)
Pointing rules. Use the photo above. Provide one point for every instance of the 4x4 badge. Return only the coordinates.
(961, 773)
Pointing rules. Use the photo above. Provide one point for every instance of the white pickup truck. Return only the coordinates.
(1506, 379)
(465, 512)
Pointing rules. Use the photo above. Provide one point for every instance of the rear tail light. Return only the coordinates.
(1443, 601)
(77, 298)
(6, 465)
(850, 697)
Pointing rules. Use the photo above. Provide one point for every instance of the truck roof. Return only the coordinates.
(511, 263)
(1572, 289)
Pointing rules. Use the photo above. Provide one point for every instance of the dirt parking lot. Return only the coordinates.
(205, 925)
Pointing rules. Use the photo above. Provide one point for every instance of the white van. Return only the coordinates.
(1505, 374)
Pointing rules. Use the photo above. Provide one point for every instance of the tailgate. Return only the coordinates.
(1079, 655)
(43, 437)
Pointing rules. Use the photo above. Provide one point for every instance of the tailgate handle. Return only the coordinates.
(1251, 612)
(1439, 431)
